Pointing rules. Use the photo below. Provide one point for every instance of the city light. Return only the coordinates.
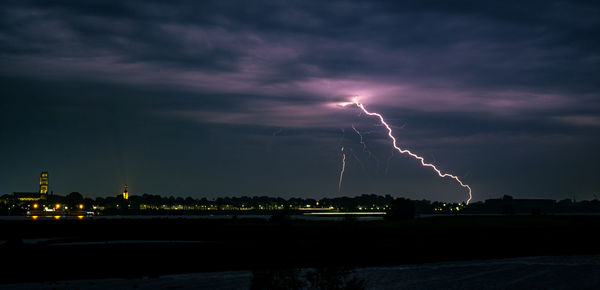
(35, 205)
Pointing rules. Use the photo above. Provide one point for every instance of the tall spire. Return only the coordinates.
(44, 183)
(125, 193)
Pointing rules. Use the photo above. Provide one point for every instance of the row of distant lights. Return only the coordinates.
(56, 206)
(458, 208)
(35, 217)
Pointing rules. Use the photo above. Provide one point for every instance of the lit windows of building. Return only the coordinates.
(44, 183)
(34, 196)
(27, 196)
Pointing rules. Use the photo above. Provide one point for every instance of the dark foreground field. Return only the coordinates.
(83, 249)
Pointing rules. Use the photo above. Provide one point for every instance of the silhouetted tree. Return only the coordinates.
(74, 198)
(401, 208)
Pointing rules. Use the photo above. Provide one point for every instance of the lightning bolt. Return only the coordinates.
(362, 141)
(343, 168)
(406, 151)
(359, 162)
(364, 144)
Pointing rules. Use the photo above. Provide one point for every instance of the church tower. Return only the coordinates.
(44, 183)
(125, 193)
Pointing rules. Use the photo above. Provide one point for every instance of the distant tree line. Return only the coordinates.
(151, 203)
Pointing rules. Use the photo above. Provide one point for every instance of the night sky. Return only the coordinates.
(228, 99)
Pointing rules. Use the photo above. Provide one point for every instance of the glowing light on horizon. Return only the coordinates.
(343, 168)
(406, 151)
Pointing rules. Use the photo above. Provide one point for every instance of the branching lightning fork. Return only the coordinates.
(364, 144)
(406, 151)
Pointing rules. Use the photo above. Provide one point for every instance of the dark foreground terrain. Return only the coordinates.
(41, 250)
(554, 272)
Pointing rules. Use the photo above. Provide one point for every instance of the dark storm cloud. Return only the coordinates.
(468, 50)
(463, 74)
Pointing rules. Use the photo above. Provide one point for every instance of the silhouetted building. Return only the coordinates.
(508, 205)
(34, 196)
(27, 196)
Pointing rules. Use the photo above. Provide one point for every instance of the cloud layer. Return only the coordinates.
(469, 74)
